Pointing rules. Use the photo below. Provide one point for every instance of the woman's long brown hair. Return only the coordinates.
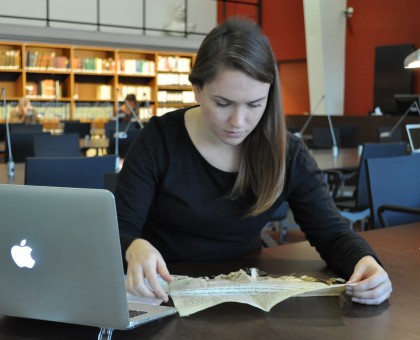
(239, 44)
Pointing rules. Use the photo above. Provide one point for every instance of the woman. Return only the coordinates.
(200, 183)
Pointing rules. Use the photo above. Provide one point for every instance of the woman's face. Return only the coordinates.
(232, 105)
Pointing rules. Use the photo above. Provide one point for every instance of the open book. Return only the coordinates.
(191, 295)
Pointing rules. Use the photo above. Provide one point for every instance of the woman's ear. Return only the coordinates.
(197, 92)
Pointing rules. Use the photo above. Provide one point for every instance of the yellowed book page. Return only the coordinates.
(191, 295)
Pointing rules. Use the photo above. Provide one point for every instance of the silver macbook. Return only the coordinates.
(413, 132)
(60, 259)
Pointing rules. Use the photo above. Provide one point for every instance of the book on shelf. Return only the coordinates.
(181, 97)
(104, 92)
(31, 90)
(9, 59)
(94, 65)
(51, 110)
(10, 105)
(141, 92)
(172, 79)
(174, 64)
(93, 110)
(136, 66)
(46, 88)
(36, 60)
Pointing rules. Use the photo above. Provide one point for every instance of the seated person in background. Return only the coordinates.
(24, 112)
(130, 101)
(200, 183)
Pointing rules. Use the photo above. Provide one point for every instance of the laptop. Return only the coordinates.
(60, 259)
(413, 132)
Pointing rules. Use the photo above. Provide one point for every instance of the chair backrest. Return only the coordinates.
(28, 128)
(66, 145)
(374, 150)
(83, 129)
(110, 127)
(22, 145)
(349, 135)
(395, 137)
(2, 132)
(281, 212)
(124, 143)
(76, 172)
(394, 181)
(322, 139)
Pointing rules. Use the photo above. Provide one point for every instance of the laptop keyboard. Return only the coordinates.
(134, 313)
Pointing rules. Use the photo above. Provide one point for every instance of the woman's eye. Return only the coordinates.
(254, 106)
(222, 104)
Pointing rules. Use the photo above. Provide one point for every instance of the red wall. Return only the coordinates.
(375, 23)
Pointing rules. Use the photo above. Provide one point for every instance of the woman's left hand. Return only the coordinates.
(369, 283)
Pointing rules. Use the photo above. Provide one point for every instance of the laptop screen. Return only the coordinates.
(413, 132)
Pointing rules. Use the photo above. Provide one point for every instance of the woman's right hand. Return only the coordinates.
(145, 261)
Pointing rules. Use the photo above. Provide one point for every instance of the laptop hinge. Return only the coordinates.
(105, 332)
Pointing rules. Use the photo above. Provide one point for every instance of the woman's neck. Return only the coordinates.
(220, 155)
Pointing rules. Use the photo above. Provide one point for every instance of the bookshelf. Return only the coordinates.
(89, 83)
(11, 70)
(173, 86)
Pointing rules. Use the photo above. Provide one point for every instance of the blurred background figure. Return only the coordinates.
(130, 102)
(25, 113)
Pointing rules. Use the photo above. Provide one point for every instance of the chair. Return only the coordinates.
(66, 145)
(356, 208)
(82, 129)
(395, 137)
(2, 132)
(22, 145)
(77, 172)
(26, 128)
(124, 143)
(394, 185)
(349, 135)
(322, 139)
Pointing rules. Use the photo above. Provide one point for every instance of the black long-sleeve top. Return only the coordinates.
(168, 194)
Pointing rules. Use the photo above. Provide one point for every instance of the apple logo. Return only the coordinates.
(21, 254)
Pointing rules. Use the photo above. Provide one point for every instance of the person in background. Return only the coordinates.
(25, 113)
(130, 102)
(200, 183)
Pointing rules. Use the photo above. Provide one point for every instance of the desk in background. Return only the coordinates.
(347, 159)
(19, 174)
(296, 318)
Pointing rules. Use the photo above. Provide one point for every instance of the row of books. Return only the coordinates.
(93, 110)
(10, 105)
(10, 59)
(44, 110)
(142, 93)
(173, 79)
(145, 113)
(94, 65)
(174, 64)
(46, 88)
(176, 97)
(136, 67)
(52, 110)
(37, 60)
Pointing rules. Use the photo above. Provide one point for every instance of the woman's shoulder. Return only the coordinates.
(166, 127)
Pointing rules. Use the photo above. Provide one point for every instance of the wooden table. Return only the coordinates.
(296, 318)
(347, 159)
(19, 177)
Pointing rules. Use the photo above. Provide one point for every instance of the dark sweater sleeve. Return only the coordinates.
(315, 211)
(138, 181)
